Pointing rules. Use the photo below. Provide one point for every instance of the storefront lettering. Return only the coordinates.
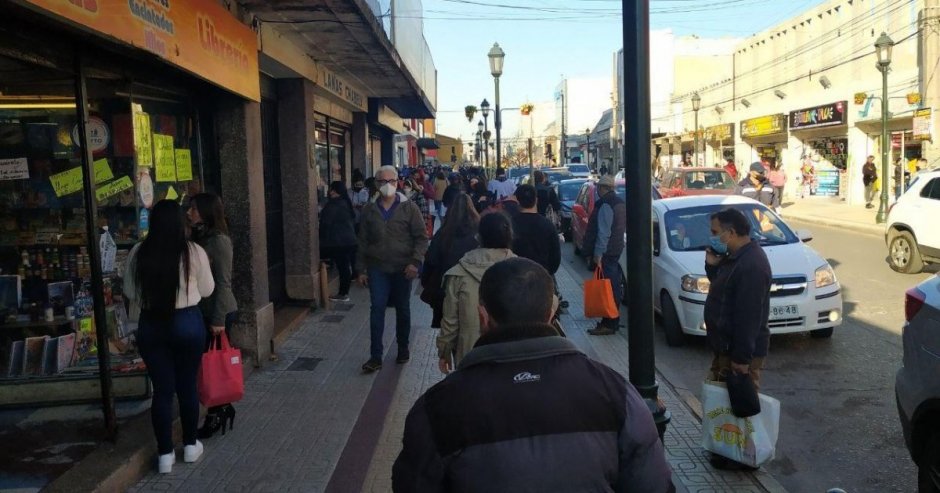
(153, 43)
(820, 116)
(88, 5)
(145, 11)
(221, 47)
(764, 125)
(337, 86)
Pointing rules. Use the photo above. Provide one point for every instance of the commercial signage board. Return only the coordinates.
(764, 125)
(718, 133)
(827, 115)
(199, 36)
(923, 124)
(338, 87)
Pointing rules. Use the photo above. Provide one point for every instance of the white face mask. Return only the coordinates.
(408, 191)
(388, 190)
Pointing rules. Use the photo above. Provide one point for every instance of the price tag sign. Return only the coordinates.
(184, 165)
(165, 157)
(102, 171)
(143, 142)
(115, 187)
(67, 182)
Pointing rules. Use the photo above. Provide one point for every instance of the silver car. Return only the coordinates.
(917, 386)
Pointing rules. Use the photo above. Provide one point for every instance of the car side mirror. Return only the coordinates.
(805, 235)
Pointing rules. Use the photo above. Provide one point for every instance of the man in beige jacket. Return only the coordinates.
(460, 327)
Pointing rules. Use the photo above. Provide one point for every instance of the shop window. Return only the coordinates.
(330, 153)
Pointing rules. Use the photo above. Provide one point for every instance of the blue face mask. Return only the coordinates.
(717, 245)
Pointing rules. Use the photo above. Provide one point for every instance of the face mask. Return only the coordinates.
(717, 245)
(408, 191)
(388, 190)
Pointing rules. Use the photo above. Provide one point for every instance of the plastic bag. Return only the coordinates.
(599, 297)
(750, 441)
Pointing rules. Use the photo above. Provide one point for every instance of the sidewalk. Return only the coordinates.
(833, 212)
(313, 422)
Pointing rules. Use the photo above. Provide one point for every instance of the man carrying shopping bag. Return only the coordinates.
(738, 303)
(604, 240)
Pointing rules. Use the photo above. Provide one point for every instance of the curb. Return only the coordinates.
(873, 229)
(764, 478)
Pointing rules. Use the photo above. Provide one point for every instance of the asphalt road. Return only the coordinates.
(839, 424)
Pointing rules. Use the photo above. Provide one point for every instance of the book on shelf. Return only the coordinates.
(15, 364)
(50, 356)
(66, 352)
(33, 353)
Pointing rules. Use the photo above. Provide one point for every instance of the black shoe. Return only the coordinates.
(404, 356)
(726, 464)
(372, 365)
(602, 330)
(211, 425)
(563, 304)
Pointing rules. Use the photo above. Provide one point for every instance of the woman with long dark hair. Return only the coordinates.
(456, 237)
(210, 231)
(338, 236)
(168, 276)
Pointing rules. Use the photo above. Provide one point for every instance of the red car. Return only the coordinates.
(678, 182)
(584, 206)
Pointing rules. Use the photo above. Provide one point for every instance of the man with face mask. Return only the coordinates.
(738, 303)
(756, 186)
(393, 239)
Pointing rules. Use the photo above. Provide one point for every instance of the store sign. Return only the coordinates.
(923, 124)
(199, 36)
(337, 86)
(764, 125)
(819, 116)
(719, 133)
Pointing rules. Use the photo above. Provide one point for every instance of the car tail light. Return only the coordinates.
(913, 301)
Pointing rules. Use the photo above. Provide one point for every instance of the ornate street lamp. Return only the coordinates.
(484, 137)
(883, 47)
(696, 104)
(496, 56)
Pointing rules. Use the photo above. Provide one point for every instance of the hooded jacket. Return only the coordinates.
(392, 245)
(460, 327)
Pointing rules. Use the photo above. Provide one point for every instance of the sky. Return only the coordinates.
(547, 40)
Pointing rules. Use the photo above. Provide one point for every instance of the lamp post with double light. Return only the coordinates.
(883, 47)
(696, 104)
(496, 56)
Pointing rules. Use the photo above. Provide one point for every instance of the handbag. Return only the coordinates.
(749, 441)
(743, 395)
(220, 380)
(599, 297)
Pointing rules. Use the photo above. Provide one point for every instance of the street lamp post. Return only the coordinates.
(587, 147)
(883, 47)
(480, 133)
(496, 56)
(696, 104)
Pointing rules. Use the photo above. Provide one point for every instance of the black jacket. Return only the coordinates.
(763, 193)
(450, 193)
(337, 224)
(546, 196)
(535, 238)
(527, 411)
(738, 304)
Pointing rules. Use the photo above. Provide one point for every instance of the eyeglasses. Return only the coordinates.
(380, 183)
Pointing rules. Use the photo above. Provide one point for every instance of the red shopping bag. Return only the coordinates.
(221, 380)
(599, 297)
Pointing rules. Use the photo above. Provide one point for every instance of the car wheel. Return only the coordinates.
(903, 254)
(928, 472)
(674, 335)
(821, 333)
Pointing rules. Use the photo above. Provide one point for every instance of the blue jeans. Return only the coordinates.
(389, 290)
(172, 350)
(612, 271)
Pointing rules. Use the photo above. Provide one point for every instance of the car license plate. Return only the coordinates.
(785, 311)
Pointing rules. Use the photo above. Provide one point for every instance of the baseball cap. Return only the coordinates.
(607, 181)
(758, 167)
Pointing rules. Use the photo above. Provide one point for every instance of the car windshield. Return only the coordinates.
(708, 180)
(556, 176)
(569, 191)
(688, 230)
(578, 168)
(517, 172)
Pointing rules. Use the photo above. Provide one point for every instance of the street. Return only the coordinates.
(839, 425)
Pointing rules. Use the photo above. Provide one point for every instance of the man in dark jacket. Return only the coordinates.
(547, 197)
(869, 177)
(392, 242)
(756, 186)
(738, 302)
(534, 237)
(527, 411)
(604, 240)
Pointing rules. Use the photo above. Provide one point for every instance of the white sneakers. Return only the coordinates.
(191, 453)
(166, 462)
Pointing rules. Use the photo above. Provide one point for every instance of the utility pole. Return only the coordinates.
(642, 361)
(563, 152)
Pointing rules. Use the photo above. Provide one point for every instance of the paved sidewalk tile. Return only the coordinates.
(833, 212)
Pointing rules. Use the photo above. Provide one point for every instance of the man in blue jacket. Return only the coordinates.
(527, 411)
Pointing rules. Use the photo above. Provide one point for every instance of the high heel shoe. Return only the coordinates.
(227, 414)
(211, 425)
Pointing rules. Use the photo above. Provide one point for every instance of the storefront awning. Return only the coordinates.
(428, 143)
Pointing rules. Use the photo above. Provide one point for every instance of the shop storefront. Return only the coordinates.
(767, 137)
(92, 134)
(721, 140)
(823, 134)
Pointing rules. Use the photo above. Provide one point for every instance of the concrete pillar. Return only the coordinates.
(299, 187)
(359, 143)
(238, 130)
(929, 84)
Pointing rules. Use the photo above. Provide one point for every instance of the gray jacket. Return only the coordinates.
(393, 244)
(218, 248)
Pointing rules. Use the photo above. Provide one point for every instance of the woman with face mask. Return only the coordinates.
(338, 236)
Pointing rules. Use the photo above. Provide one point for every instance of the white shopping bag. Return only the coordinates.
(749, 441)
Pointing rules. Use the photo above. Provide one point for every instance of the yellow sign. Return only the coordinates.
(184, 165)
(102, 171)
(724, 132)
(923, 124)
(164, 157)
(67, 182)
(198, 35)
(115, 187)
(764, 125)
(143, 141)
(171, 193)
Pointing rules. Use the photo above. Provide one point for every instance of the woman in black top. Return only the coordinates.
(456, 237)
(479, 193)
(338, 236)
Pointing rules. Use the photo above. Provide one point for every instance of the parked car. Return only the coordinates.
(583, 207)
(567, 194)
(917, 388)
(912, 236)
(516, 174)
(805, 294)
(554, 175)
(579, 170)
(679, 182)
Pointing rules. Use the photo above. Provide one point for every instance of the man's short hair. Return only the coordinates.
(387, 170)
(517, 291)
(538, 176)
(733, 220)
(495, 231)
(526, 196)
